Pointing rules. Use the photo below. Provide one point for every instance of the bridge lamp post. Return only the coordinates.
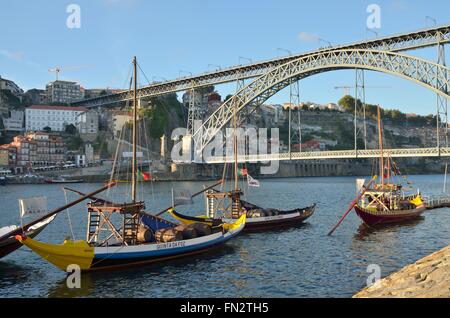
(215, 65)
(186, 72)
(325, 41)
(286, 50)
(161, 78)
(245, 58)
(431, 19)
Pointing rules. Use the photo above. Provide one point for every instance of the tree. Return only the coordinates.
(228, 97)
(47, 129)
(348, 103)
(70, 129)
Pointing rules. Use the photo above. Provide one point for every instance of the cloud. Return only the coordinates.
(15, 56)
(308, 37)
(18, 56)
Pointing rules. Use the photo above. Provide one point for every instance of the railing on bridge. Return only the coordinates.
(338, 154)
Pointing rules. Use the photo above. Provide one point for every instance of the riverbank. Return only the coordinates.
(426, 278)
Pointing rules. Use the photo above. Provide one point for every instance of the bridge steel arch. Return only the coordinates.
(427, 74)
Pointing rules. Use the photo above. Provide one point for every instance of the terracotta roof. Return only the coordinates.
(48, 107)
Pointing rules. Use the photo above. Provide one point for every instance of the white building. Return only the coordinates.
(37, 117)
(15, 121)
(87, 123)
(63, 92)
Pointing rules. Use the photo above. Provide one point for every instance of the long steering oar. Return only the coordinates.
(352, 205)
(159, 213)
(58, 210)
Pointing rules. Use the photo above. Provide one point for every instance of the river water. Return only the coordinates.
(299, 262)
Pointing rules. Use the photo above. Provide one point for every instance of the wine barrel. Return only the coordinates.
(189, 233)
(144, 235)
(257, 213)
(168, 235)
(201, 229)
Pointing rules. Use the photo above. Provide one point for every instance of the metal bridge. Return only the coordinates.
(395, 43)
(338, 154)
(269, 77)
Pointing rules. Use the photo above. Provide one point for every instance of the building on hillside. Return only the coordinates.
(39, 149)
(4, 156)
(118, 120)
(312, 145)
(63, 92)
(8, 154)
(15, 121)
(98, 92)
(9, 85)
(87, 124)
(37, 117)
(36, 96)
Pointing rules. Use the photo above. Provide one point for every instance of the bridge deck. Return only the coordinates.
(340, 154)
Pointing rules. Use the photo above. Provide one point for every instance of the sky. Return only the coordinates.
(178, 37)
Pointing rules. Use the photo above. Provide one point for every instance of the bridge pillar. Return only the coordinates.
(360, 108)
(442, 114)
(295, 130)
(194, 111)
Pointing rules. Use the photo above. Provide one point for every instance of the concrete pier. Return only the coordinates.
(426, 278)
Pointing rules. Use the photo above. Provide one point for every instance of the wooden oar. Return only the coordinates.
(90, 197)
(192, 196)
(352, 205)
(58, 210)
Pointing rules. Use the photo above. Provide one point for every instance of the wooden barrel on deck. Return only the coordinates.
(144, 235)
(201, 229)
(168, 235)
(187, 231)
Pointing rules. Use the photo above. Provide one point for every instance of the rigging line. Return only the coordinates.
(68, 215)
(120, 136)
(144, 120)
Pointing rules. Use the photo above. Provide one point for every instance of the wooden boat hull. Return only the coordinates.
(373, 218)
(257, 224)
(9, 245)
(63, 181)
(90, 258)
(286, 220)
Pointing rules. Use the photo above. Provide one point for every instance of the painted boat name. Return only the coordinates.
(171, 245)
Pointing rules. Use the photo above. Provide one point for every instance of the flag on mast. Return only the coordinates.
(252, 182)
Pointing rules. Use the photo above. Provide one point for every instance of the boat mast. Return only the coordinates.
(134, 163)
(235, 146)
(380, 141)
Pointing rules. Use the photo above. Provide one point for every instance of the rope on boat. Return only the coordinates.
(68, 215)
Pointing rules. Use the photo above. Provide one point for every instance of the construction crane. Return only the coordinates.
(347, 88)
(58, 69)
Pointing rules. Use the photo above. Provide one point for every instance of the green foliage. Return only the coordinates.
(388, 115)
(11, 100)
(164, 115)
(70, 129)
(206, 90)
(74, 143)
(47, 129)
